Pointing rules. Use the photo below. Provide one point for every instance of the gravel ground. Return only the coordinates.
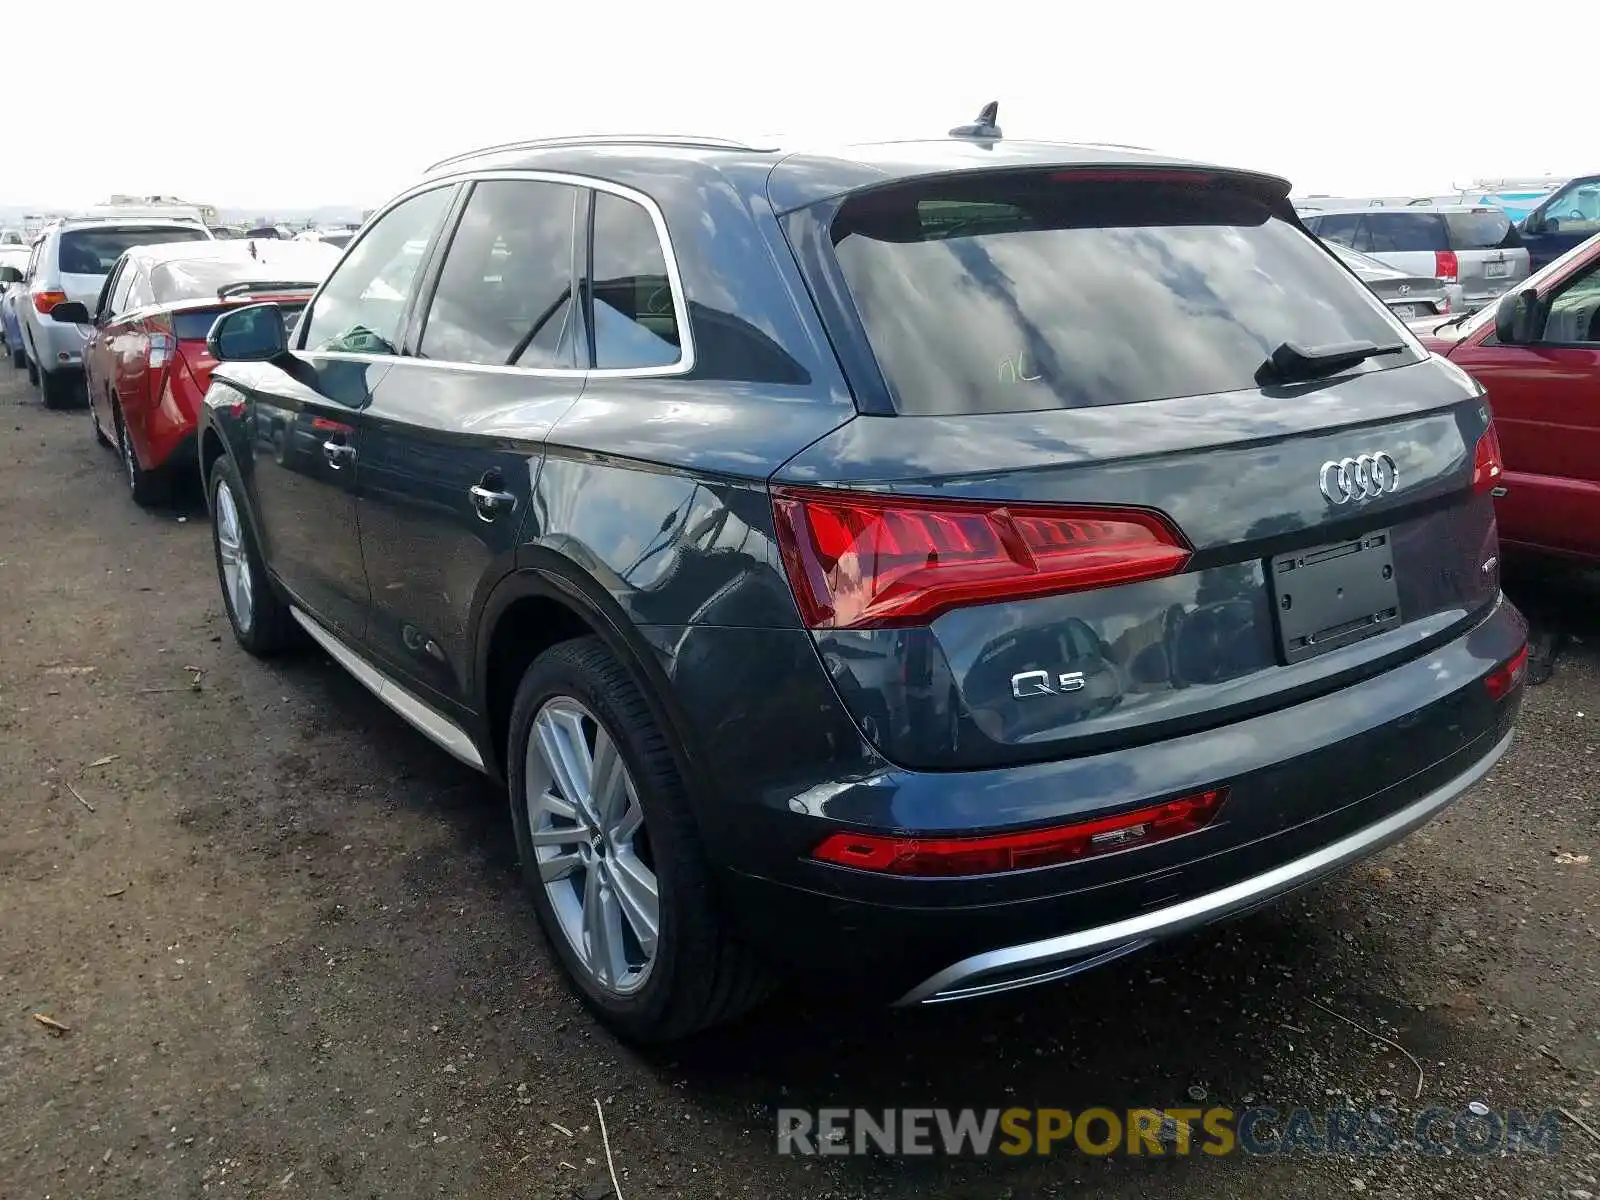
(287, 937)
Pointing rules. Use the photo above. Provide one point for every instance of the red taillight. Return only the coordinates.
(1445, 265)
(1505, 678)
(858, 560)
(1487, 465)
(45, 301)
(992, 853)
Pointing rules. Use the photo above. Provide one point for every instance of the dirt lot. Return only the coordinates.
(287, 937)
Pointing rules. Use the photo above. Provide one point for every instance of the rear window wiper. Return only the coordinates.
(1291, 363)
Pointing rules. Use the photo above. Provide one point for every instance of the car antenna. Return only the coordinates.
(984, 128)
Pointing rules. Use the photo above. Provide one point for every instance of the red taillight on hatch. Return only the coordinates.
(993, 853)
(864, 560)
(1487, 465)
(1505, 678)
(45, 301)
(1445, 265)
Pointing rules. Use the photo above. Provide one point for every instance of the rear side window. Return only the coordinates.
(95, 251)
(1025, 291)
(505, 292)
(635, 317)
(1400, 233)
(1491, 230)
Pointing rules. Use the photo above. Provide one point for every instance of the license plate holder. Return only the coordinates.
(1496, 270)
(1404, 311)
(1334, 595)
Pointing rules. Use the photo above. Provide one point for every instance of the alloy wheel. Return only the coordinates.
(232, 556)
(591, 845)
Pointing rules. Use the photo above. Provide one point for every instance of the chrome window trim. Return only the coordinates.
(680, 303)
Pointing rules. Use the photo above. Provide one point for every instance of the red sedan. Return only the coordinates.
(1537, 353)
(146, 366)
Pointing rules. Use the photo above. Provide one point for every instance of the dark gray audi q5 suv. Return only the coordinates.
(934, 567)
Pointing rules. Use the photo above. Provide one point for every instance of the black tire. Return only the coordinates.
(701, 975)
(149, 488)
(270, 628)
(19, 359)
(33, 371)
(57, 390)
(99, 434)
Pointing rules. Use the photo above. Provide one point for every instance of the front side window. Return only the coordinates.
(1574, 209)
(1574, 317)
(363, 304)
(635, 319)
(505, 293)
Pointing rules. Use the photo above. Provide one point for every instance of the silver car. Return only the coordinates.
(70, 262)
(1408, 296)
(1473, 245)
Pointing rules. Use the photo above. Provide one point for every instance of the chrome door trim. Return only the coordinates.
(437, 727)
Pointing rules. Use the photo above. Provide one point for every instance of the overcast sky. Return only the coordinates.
(283, 102)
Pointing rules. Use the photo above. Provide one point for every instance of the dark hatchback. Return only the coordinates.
(933, 567)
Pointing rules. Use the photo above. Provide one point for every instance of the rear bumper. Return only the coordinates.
(1066, 954)
(1312, 788)
(58, 346)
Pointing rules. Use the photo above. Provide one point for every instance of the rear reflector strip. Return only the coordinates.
(865, 560)
(994, 853)
(1506, 678)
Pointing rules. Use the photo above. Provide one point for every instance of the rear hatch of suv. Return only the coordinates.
(1490, 256)
(1135, 458)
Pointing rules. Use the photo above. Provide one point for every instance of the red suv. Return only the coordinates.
(146, 367)
(1537, 353)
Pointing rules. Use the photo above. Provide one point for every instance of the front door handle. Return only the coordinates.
(489, 503)
(338, 453)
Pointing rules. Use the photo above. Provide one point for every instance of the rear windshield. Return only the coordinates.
(193, 326)
(95, 251)
(1491, 230)
(1025, 291)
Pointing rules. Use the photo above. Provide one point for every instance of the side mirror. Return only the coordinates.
(10, 275)
(70, 312)
(254, 333)
(1514, 317)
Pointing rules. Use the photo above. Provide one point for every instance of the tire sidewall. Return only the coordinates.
(555, 674)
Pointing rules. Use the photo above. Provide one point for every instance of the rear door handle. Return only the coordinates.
(338, 453)
(490, 504)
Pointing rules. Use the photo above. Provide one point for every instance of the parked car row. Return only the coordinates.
(918, 568)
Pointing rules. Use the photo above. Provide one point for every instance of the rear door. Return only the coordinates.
(1546, 399)
(452, 442)
(306, 466)
(1082, 507)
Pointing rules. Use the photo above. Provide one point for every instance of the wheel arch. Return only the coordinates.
(550, 599)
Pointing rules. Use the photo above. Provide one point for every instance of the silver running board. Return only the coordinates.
(438, 728)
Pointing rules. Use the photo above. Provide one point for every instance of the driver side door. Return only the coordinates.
(1546, 400)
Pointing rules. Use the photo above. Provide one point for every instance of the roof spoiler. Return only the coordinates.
(248, 286)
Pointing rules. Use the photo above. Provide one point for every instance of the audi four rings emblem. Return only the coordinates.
(1365, 477)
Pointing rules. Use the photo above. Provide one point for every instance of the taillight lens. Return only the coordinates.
(1487, 466)
(859, 560)
(993, 853)
(1445, 265)
(1505, 678)
(45, 301)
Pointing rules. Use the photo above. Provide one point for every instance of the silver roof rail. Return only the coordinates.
(599, 139)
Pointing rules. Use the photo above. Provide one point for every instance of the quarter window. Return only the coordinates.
(636, 323)
(363, 304)
(505, 293)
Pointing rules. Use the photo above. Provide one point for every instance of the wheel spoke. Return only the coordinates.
(559, 867)
(635, 886)
(559, 835)
(566, 755)
(601, 929)
(610, 782)
(629, 820)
